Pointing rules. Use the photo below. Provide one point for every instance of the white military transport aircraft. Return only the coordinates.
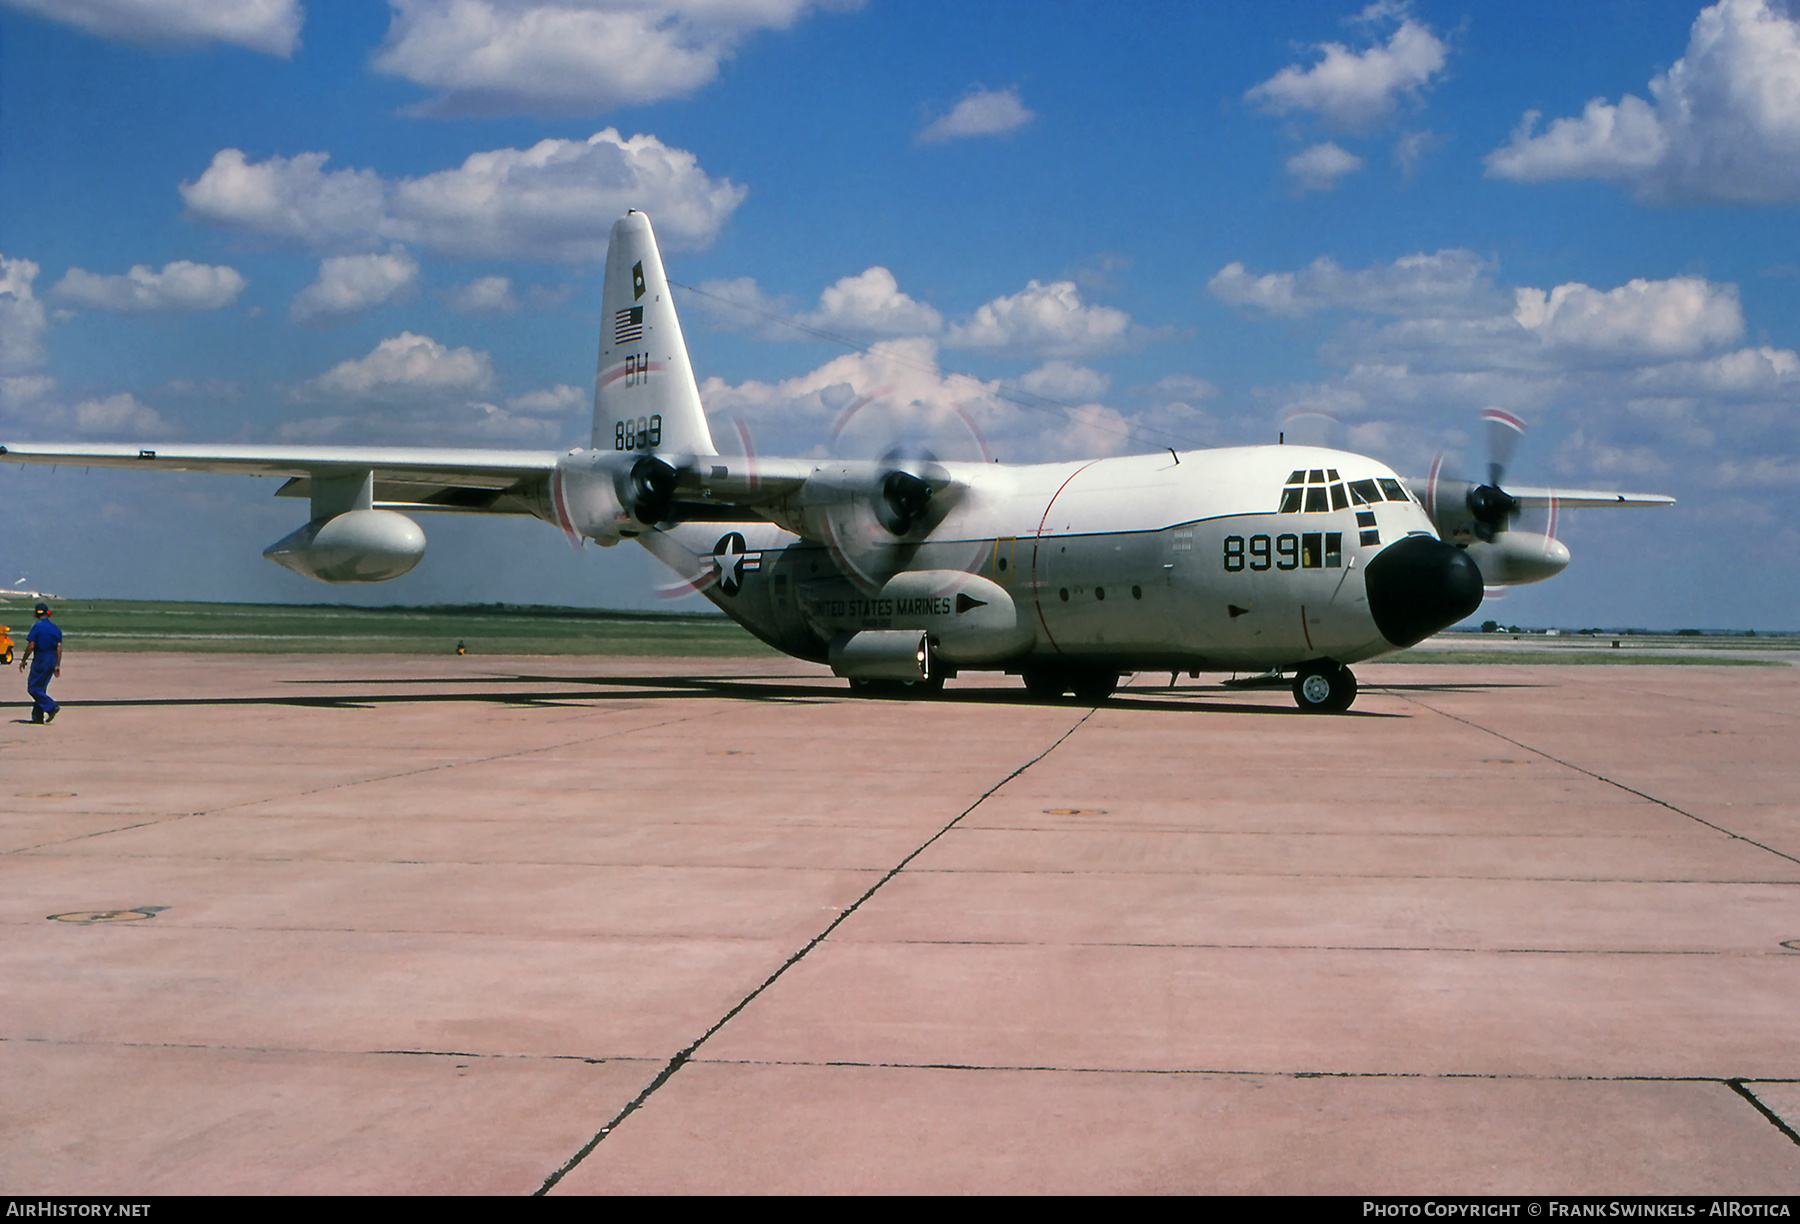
(902, 572)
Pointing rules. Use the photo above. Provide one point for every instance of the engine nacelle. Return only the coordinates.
(355, 546)
(1517, 557)
(585, 490)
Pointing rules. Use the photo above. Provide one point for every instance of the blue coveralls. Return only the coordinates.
(46, 641)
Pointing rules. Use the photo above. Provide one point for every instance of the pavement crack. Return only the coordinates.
(1600, 777)
(1774, 1119)
(681, 1058)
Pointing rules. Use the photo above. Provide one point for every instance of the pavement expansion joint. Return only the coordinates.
(1274, 1073)
(1598, 777)
(1741, 1088)
(680, 1059)
(330, 1052)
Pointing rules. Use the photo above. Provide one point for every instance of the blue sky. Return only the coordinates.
(269, 220)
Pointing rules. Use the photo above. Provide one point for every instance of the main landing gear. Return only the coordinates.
(1091, 686)
(1324, 687)
(897, 688)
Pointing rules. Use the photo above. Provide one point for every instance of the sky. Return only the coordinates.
(1054, 229)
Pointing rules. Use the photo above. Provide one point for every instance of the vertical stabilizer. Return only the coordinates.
(644, 394)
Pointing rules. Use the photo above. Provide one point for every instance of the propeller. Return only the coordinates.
(875, 533)
(1488, 508)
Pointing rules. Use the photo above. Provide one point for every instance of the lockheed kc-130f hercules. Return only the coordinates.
(899, 572)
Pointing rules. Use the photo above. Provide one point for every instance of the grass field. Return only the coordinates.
(318, 628)
(511, 629)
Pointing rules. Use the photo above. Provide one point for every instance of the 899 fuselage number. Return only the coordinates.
(1308, 550)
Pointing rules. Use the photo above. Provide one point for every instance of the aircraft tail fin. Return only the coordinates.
(645, 398)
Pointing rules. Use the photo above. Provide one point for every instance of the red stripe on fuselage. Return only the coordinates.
(1037, 598)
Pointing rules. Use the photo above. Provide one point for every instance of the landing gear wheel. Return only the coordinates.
(1091, 688)
(897, 688)
(1324, 688)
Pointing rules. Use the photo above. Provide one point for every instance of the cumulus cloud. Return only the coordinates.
(1046, 321)
(121, 414)
(28, 397)
(1763, 373)
(293, 199)
(739, 304)
(272, 26)
(1319, 167)
(1065, 381)
(351, 284)
(180, 286)
(404, 370)
(1661, 319)
(554, 201)
(1721, 126)
(488, 57)
(1449, 281)
(486, 295)
(22, 321)
(895, 393)
(867, 304)
(1638, 372)
(546, 417)
(1358, 90)
(31, 401)
(872, 304)
(980, 112)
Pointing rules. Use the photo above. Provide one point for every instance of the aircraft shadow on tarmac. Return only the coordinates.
(597, 689)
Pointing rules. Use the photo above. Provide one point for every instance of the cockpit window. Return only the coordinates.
(1307, 492)
(1365, 493)
(1393, 490)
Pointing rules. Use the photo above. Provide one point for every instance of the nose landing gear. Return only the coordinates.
(1324, 687)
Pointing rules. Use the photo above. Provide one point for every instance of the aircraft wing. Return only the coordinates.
(1576, 498)
(406, 478)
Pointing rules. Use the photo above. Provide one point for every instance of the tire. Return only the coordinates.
(1324, 688)
(1094, 687)
(902, 689)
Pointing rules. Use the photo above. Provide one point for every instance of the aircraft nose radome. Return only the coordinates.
(1418, 586)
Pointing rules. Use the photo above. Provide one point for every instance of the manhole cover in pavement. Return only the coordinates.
(90, 917)
(1074, 811)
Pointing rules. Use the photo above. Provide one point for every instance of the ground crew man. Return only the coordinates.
(43, 655)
